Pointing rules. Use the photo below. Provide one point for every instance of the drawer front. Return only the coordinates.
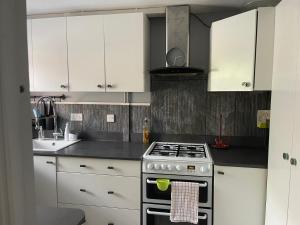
(99, 166)
(104, 216)
(99, 190)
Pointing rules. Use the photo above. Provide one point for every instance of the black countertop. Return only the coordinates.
(234, 156)
(240, 157)
(59, 216)
(101, 149)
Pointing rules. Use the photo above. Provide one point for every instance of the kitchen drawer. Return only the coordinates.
(99, 166)
(99, 190)
(104, 216)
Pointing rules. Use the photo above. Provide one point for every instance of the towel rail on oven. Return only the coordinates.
(204, 217)
(204, 184)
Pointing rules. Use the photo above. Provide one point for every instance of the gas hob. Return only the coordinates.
(178, 158)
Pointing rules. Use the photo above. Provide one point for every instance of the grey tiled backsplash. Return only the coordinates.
(177, 108)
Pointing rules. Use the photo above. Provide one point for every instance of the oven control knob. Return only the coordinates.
(156, 166)
(178, 168)
(169, 167)
(203, 169)
(163, 166)
(150, 166)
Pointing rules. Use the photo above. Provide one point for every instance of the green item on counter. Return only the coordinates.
(162, 184)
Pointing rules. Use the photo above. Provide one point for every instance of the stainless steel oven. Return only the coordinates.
(156, 214)
(151, 194)
(185, 162)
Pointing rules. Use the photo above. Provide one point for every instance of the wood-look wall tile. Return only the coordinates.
(137, 116)
(217, 104)
(191, 107)
(247, 105)
(164, 107)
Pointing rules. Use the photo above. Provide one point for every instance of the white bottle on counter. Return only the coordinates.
(67, 132)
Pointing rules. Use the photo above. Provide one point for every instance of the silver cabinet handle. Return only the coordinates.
(293, 161)
(109, 86)
(285, 156)
(246, 84)
(204, 184)
(63, 86)
(204, 217)
(221, 172)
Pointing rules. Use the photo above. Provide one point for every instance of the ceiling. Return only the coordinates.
(61, 6)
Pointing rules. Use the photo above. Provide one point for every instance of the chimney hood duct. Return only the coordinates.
(177, 44)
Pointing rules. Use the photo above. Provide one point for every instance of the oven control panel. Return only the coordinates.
(180, 168)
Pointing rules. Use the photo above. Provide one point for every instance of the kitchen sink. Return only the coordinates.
(51, 145)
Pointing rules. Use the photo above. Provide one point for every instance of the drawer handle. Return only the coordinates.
(82, 166)
(110, 192)
(82, 190)
(110, 167)
(110, 224)
(49, 162)
(63, 86)
(221, 173)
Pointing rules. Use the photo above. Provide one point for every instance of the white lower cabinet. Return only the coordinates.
(107, 190)
(99, 190)
(107, 216)
(45, 180)
(239, 195)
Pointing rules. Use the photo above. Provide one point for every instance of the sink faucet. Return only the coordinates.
(56, 134)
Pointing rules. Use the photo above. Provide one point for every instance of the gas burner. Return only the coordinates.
(178, 150)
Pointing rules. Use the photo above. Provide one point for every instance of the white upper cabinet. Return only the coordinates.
(126, 49)
(86, 53)
(241, 53)
(30, 61)
(91, 53)
(50, 54)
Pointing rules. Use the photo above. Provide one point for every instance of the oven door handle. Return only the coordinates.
(204, 217)
(203, 184)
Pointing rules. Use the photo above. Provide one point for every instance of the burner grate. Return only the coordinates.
(179, 150)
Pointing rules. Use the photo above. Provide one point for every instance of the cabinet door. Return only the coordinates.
(45, 180)
(294, 198)
(239, 196)
(233, 43)
(104, 216)
(125, 40)
(282, 110)
(86, 53)
(50, 54)
(30, 61)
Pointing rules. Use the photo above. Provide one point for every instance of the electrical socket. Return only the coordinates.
(110, 118)
(76, 117)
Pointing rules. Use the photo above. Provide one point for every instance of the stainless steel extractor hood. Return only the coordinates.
(177, 44)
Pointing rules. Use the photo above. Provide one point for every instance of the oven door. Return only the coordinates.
(154, 214)
(151, 194)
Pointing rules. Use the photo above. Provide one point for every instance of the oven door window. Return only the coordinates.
(162, 217)
(152, 192)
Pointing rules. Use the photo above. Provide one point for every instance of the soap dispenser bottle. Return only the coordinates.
(67, 132)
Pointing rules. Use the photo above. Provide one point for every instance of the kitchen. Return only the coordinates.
(203, 110)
